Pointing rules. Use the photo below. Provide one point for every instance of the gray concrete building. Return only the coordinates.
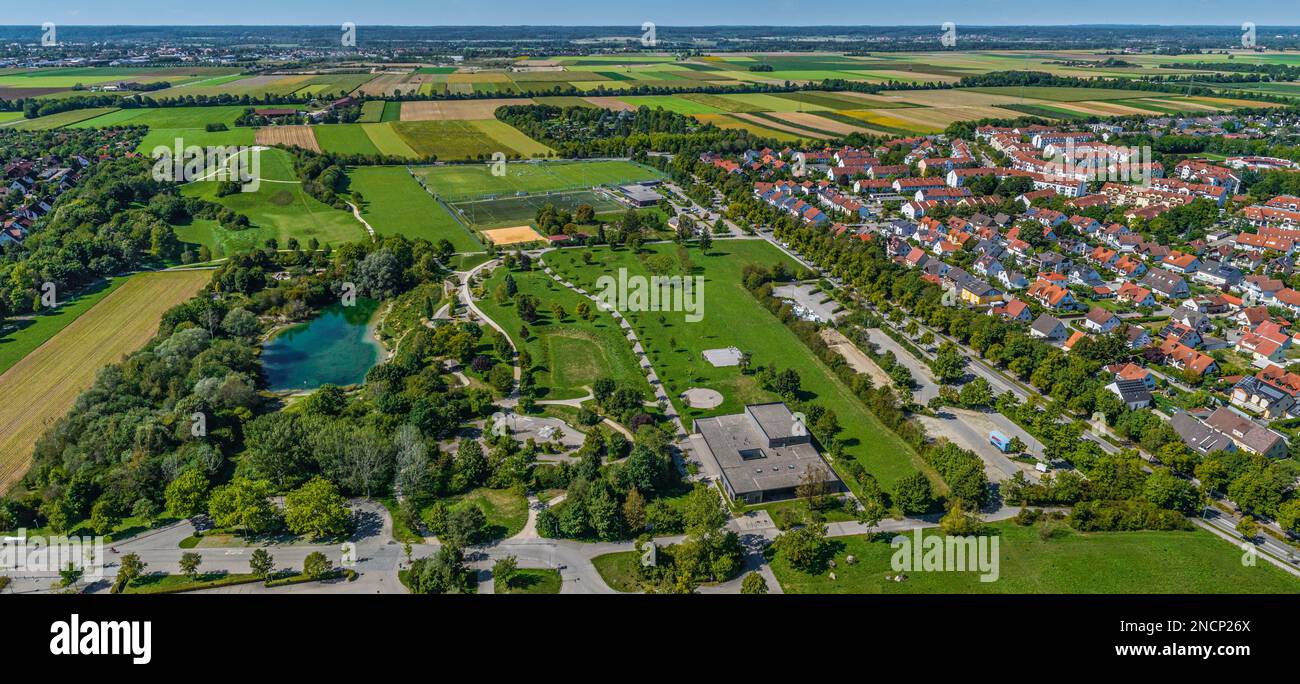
(763, 454)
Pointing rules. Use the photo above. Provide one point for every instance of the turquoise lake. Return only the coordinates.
(337, 347)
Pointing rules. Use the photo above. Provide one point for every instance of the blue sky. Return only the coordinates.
(663, 12)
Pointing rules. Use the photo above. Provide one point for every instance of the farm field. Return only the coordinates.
(46, 123)
(570, 353)
(394, 204)
(732, 317)
(289, 136)
(167, 117)
(41, 387)
(731, 121)
(460, 140)
(476, 180)
(279, 208)
(345, 138)
(30, 333)
(456, 110)
(387, 141)
(1068, 563)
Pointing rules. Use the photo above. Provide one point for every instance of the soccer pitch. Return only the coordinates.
(469, 181)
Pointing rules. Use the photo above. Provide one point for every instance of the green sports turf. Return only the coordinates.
(476, 180)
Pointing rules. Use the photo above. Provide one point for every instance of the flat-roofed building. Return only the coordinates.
(762, 454)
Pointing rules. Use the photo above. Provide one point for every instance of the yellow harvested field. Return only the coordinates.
(944, 98)
(820, 123)
(457, 110)
(788, 128)
(935, 119)
(292, 136)
(482, 77)
(512, 236)
(1109, 108)
(39, 389)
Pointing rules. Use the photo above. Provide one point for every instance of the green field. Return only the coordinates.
(1068, 563)
(394, 204)
(280, 209)
(732, 317)
(571, 353)
(344, 139)
(476, 180)
(387, 141)
(465, 140)
(167, 117)
(372, 111)
(61, 119)
(29, 333)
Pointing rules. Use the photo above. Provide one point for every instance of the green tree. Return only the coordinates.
(753, 584)
(190, 562)
(129, 568)
(913, 494)
(316, 565)
(505, 570)
(804, 548)
(317, 510)
(261, 563)
(187, 495)
(244, 504)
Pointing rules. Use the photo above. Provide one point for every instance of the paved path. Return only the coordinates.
(357, 213)
(651, 376)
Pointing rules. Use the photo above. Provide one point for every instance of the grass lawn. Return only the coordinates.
(506, 511)
(394, 204)
(619, 570)
(401, 532)
(1070, 562)
(29, 333)
(41, 387)
(159, 583)
(572, 353)
(280, 209)
(476, 180)
(732, 317)
(532, 581)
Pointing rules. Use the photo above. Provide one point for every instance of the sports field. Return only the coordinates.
(731, 316)
(41, 387)
(1068, 562)
(517, 210)
(513, 235)
(395, 204)
(476, 180)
